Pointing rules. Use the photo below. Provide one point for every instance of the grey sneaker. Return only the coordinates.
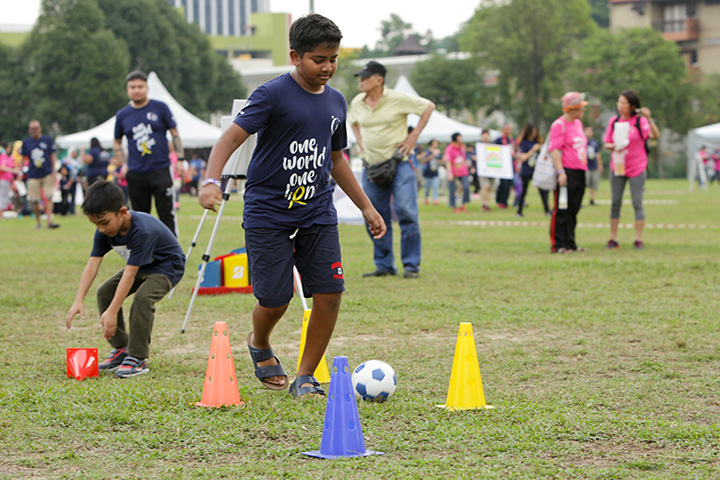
(132, 367)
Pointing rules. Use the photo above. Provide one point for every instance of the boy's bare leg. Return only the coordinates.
(325, 309)
(264, 320)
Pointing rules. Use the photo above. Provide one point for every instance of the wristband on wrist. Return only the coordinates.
(208, 181)
(560, 172)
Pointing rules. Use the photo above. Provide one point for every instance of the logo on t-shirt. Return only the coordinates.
(152, 116)
(580, 146)
(334, 124)
(305, 162)
(123, 251)
(337, 267)
(143, 141)
(38, 156)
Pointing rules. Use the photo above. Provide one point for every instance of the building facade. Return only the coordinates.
(693, 24)
(228, 18)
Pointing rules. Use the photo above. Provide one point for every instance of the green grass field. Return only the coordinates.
(603, 364)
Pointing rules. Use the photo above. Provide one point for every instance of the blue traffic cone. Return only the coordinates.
(342, 433)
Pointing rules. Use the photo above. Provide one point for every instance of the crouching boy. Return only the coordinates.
(155, 263)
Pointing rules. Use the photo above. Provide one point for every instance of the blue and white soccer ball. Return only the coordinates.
(374, 381)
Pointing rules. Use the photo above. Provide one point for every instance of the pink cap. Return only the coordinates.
(572, 100)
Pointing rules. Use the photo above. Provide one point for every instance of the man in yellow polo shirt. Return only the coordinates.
(378, 116)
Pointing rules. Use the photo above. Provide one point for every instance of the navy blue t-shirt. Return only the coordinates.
(527, 168)
(39, 152)
(592, 149)
(100, 163)
(288, 179)
(149, 244)
(146, 130)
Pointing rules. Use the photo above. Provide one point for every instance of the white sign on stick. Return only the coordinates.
(494, 161)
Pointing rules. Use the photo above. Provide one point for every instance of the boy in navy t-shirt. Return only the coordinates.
(155, 263)
(289, 216)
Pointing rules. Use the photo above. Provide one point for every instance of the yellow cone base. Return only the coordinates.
(321, 371)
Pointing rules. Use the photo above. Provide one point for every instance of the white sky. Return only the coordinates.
(358, 19)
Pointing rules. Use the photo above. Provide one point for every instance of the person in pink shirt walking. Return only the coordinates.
(568, 149)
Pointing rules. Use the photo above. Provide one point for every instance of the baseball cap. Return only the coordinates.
(573, 100)
(372, 68)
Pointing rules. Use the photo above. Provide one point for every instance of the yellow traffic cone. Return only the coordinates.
(321, 372)
(466, 389)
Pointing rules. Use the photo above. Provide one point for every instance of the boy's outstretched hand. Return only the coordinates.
(77, 308)
(375, 223)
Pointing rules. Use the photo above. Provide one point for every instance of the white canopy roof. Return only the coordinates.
(194, 132)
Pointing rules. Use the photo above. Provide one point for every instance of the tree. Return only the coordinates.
(393, 31)
(454, 85)
(640, 59)
(75, 66)
(160, 40)
(600, 12)
(530, 44)
(14, 115)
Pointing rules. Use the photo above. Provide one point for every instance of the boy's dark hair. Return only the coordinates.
(103, 197)
(312, 30)
(455, 136)
(136, 74)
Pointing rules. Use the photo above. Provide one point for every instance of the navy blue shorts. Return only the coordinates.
(315, 251)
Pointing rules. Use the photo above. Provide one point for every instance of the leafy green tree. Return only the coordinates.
(454, 85)
(14, 115)
(600, 12)
(75, 66)
(393, 31)
(160, 40)
(640, 59)
(530, 44)
(707, 102)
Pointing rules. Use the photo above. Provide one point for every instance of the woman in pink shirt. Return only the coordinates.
(568, 149)
(628, 162)
(456, 166)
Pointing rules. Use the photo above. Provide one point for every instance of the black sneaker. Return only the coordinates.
(638, 245)
(411, 274)
(113, 360)
(53, 225)
(132, 367)
(612, 244)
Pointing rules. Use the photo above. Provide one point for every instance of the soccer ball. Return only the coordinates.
(374, 381)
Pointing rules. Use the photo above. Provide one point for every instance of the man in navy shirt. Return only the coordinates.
(145, 123)
(39, 152)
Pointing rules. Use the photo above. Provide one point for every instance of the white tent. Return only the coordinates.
(709, 136)
(194, 132)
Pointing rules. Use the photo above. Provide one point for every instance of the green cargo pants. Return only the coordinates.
(149, 288)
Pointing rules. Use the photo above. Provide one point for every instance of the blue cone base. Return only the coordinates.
(317, 454)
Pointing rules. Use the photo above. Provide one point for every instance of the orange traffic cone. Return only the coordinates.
(466, 389)
(82, 362)
(220, 386)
